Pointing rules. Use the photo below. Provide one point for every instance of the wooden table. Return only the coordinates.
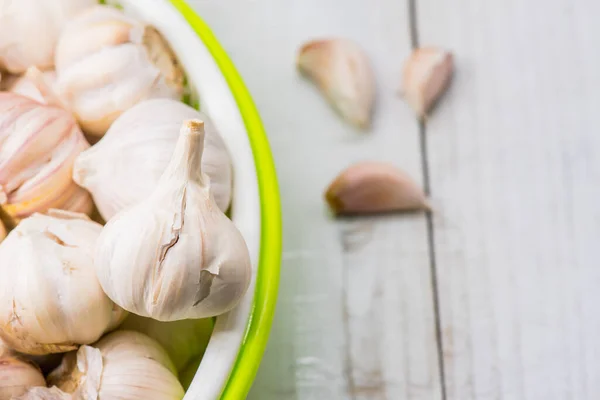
(496, 295)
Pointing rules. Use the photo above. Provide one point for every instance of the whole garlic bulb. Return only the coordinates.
(29, 30)
(50, 298)
(175, 255)
(125, 166)
(107, 62)
(17, 376)
(38, 146)
(185, 341)
(123, 365)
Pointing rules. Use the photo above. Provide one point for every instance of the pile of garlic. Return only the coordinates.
(111, 250)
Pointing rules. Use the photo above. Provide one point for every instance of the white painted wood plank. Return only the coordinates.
(353, 321)
(515, 164)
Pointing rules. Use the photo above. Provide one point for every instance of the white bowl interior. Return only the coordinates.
(216, 99)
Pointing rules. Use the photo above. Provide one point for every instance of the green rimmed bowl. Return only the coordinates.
(239, 338)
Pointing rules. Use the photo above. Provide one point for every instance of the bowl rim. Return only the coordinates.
(269, 264)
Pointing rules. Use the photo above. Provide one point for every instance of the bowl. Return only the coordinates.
(239, 338)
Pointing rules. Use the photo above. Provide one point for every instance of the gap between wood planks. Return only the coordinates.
(414, 39)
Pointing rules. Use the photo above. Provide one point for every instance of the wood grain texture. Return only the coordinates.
(514, 157)
(355, 317)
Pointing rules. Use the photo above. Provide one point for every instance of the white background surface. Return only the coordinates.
(511, 156)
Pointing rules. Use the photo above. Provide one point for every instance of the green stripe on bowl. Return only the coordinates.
(267, 280)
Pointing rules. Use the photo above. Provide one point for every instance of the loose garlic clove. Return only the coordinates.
(30, 29)
(342, 71)
(427, 74)
(175, 255)
(185, 341)
(123, 365)
(125, 166)
(38, 146)
(50, 298)
(371, 187)
(107, 62)
(17, 376)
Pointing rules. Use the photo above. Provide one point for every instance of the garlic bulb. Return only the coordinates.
(123, 365)
(185, 341)
(343, 73)
(125, 166)
(38, 146)
(17, 375)
(37, 85)
(107, 62)
(50, 298)
(29, 30)
(175, 255)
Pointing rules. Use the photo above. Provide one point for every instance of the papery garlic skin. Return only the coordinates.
(17, 376)
(29, 30)
(175, 255)
(342, 71)
(38, 146)
(107, 62)
(123, 365)
(50, 298)
(185, 341)
(125, 166)
(44, 393)
(427, 74)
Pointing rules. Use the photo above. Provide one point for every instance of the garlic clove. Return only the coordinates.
(123, 364)
(427, 74)
(38, 146)
(341, 70)
(50, 298)
(187, 260)
(107, 62)
(17, 376)
(118, 172)
(44, 393)
(371, 187)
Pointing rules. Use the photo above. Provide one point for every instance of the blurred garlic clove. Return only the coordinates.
(185, 341)
(2, 231)
(39, 86)
(123, 365)
(50, 298)
(44, 393)
(17, 376)
(175, 255)
(118, 172)
(107, 62)
(342, 71)
(30, 29)
(38, 146)
(427, 74)
(371, 187)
